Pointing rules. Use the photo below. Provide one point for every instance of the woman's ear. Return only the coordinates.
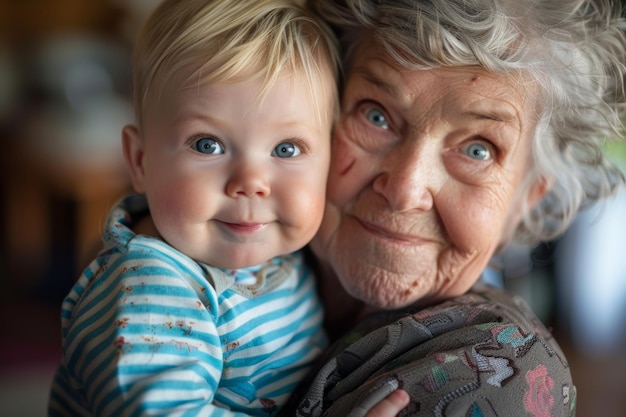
(132, 147)
(537, 191)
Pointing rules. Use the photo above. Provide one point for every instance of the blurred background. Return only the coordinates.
(64, 97)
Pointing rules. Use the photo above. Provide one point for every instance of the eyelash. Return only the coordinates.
(190, 143)
(366, 105)
(484, 143)
(300, 143)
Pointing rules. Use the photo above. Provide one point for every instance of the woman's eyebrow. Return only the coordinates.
(503, 117)
(395, 92)
(495, 115)
(369, 76)
(500, 118)
(401, 97)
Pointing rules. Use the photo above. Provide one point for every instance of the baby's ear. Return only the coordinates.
(132, 147)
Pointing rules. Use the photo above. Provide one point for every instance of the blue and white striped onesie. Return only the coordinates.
(149, 331)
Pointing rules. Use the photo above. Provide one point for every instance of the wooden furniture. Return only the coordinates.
(54, 209)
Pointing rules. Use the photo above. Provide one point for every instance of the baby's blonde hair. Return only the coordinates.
(232, 40)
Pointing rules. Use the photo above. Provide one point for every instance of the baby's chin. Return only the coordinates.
(232, 260)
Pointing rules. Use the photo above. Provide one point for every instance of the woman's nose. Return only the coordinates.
(405, 181)
(247, 180)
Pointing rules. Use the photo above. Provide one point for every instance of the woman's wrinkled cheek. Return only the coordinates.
(341, 188)
(458, 271)
(343, 160)
(342, 171)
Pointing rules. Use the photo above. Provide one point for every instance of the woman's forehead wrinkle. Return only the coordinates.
(496, 115)
(381, 84)
(385, 76)
(499, 118)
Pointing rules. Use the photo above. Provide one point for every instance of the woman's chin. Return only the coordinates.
(382, 291)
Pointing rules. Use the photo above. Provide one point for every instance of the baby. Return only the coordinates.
(200, 302)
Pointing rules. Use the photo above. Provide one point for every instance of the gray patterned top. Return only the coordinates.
(481, 354)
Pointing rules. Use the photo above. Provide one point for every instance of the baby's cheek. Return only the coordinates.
(327, 230)
(299, 214)
(177, 202)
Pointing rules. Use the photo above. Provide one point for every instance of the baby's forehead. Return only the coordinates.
(190, 96)
(187, 81)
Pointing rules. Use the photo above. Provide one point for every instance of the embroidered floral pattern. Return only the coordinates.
(538, 399)
(480, 355)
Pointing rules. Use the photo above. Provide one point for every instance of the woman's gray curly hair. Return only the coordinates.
(574, 50)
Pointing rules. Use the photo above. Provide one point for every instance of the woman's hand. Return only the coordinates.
(391, 405)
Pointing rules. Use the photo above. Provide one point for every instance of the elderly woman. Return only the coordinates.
(465, 124)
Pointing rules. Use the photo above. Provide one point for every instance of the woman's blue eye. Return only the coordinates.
(208, 146)
(286, 150)
(478, 151)
(377, 117)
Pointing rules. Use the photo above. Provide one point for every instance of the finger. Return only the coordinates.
(391, 405)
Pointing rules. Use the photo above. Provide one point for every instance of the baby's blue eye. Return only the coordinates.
(286, 150)
(208, 146)
(377, 117)
(478, 151)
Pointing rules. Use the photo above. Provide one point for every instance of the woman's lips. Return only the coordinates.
(385, 233)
